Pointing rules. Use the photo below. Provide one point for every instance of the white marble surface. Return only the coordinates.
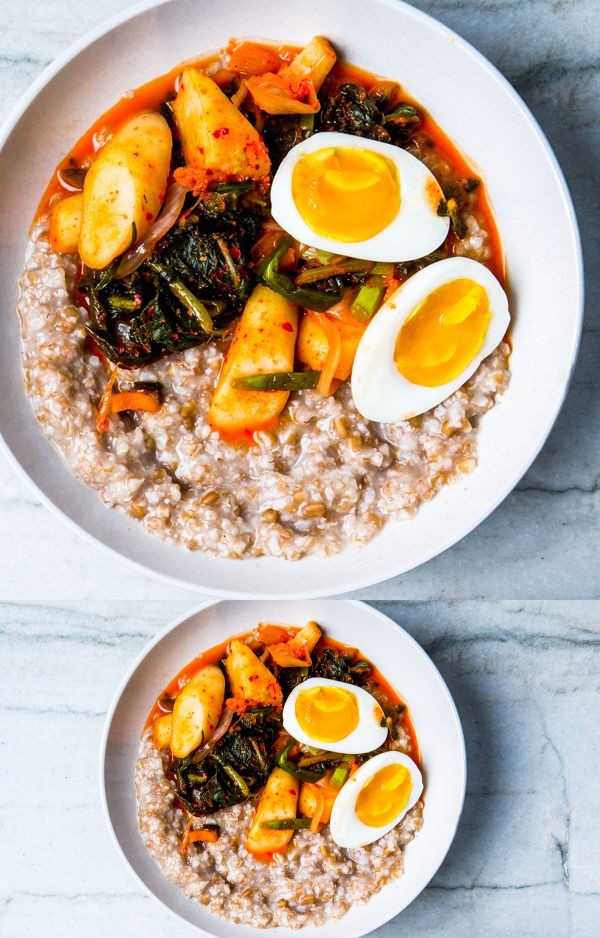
(525, 677)
(542, 539)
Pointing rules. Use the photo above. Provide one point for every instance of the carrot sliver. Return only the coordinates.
(206, 836)
(184, 840)
(134, 400)
(104, 406)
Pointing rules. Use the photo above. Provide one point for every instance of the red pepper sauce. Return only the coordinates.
(217, 653)
(155, 92)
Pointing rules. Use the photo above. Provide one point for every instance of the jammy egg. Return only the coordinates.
(428, 339)
(374, 799)
(358, 197)
(334, 716)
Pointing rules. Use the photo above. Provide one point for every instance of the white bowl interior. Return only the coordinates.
(479, 110)
(400, 660)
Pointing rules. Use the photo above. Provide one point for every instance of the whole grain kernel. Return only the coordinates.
(341, 427)
(314, 510)
(270, 516)
(211, 498)
(356, 442)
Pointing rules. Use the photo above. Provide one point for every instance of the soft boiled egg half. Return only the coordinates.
(358, 197)
(335, 716)
(428, 339)
(374, 799)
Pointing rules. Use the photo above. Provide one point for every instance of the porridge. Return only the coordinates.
(260, 445)
(310, 878)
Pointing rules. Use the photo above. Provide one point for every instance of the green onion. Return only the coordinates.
(367, 302)
(305, 775)
(259, 755)
(198, 779)
(194, 306)
(342, 772)
(233, 271)
(279, 381)
(403, 115)
(322, 757)
(270, 275)
(351, 265)
(123, 302)
(307, 122)
(233, 775)
(259, 711)
(287, 824)
(323, 257)
(383, 269)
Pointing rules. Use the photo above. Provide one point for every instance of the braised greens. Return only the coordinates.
(241, 761)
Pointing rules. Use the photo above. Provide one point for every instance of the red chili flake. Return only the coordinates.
(291, 791)
(254, 677)
(149, 216)
(220, 132)
(287, 326)
(209, 172)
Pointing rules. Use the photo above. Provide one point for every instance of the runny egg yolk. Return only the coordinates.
(327, 714)
(443, 333)
(384, 796)
(345, 193)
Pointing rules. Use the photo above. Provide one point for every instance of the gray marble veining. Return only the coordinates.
(542, 539)
(525, 677)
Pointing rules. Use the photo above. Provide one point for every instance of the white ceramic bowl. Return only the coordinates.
(479, 110)
(400, 660)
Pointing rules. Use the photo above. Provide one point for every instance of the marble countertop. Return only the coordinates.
(525, 677)
(541, 539)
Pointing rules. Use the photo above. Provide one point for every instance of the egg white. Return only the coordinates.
(415, 231)
(379, 391)
(345, 827)
(368, 735)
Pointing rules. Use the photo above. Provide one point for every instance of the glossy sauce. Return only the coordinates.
(154, 93)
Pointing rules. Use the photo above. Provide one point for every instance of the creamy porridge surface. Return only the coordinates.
(315, 881)
(323, 478)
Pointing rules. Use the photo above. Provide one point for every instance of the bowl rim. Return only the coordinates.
(372, 578)
(190, 613)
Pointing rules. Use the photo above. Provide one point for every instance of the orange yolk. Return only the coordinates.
(443, 334)
(327, 714)
(346, 194)
(384, 796)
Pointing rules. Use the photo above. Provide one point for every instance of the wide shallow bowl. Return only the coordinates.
(480, 111)
(399, 659)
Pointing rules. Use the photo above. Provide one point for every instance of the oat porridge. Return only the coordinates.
(225, 344)
(289, 801)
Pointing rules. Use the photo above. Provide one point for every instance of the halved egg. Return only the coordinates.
(428, 339)
(335, 716)
(374, 799)
(358, 197)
